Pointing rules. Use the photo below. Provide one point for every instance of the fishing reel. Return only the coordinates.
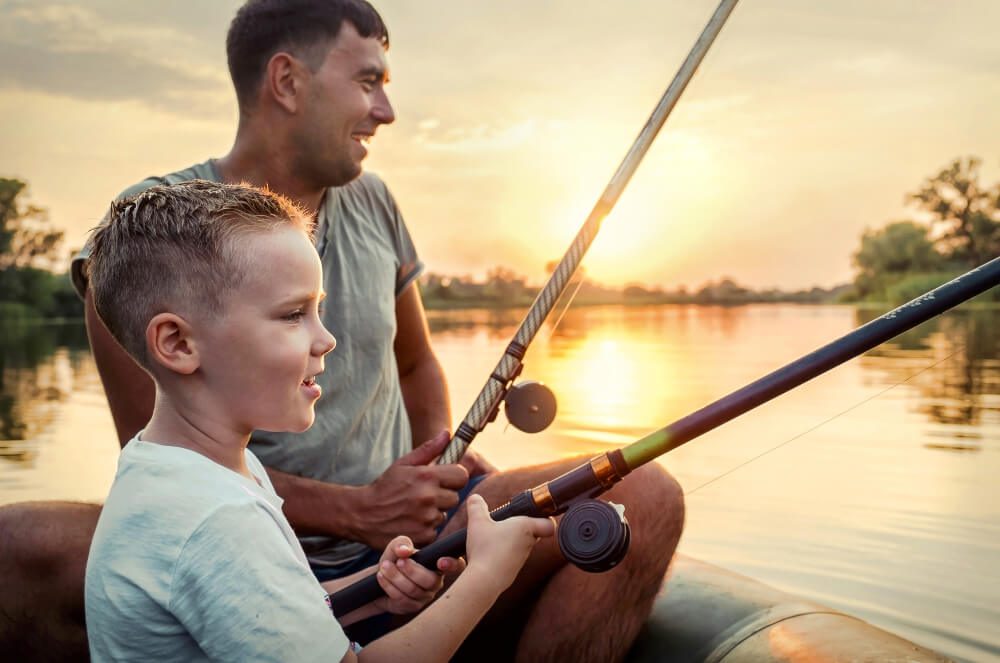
(530, 406)
(594, 535)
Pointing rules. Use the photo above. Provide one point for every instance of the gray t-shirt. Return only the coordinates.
(361, 421)
(194, 562)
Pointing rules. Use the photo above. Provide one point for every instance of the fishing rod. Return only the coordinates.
(593, 534)
(530, 406)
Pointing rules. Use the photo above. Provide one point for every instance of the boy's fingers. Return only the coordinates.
(542, 527)
(397, 579)
(477, 507)
(403, 547)
(451, 565)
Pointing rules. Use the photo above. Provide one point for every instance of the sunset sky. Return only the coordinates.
(806, 123)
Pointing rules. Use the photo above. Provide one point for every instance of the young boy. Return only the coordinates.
(215, 291)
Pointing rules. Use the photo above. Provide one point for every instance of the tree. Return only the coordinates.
(26, 238)
(964, 215)
(887, 254)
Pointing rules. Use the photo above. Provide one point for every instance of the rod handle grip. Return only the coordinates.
(367, 589)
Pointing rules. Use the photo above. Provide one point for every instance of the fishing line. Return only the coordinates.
(565, 309)
(824, 422)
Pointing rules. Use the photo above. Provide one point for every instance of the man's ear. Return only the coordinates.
(284, 81)
(171, 345)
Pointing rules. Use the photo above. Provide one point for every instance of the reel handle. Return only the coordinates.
(594, 535)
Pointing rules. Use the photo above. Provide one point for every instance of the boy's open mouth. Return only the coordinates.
(310, 381)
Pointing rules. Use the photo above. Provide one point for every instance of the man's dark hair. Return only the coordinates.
(262, 28)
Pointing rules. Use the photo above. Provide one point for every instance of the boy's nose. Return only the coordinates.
(325, 343)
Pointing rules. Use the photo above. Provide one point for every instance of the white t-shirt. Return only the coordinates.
(193, 562)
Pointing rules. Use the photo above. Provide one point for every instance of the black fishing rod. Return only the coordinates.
(592, 534)
(531, 407)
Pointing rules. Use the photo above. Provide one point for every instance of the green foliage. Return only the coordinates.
(29, 248)
(959, 228)
(26, 238)
(910, 286)
(887, 254)
(964, 214)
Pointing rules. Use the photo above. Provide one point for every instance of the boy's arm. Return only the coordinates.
(437, 632)
(129, 389)
(497, 551)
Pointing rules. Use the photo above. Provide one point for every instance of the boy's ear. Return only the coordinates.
(170, 343)
(283, 80)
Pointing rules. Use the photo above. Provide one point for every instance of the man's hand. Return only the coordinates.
(411, 497)
(475, 463)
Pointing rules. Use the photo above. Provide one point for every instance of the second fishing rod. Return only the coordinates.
(592, 534)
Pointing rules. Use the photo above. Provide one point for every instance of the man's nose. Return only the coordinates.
(382, 109)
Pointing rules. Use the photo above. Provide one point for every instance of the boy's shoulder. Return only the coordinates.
(170, 492)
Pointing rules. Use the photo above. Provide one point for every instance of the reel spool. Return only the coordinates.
(594, 535)
(530, 406)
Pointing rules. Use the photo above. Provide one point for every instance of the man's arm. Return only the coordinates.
(129, 389)
(421, 378)
(408, 499)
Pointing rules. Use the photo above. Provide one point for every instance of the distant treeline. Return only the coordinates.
(502, 287)
(955, 226)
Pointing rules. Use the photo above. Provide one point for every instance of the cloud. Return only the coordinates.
(479, 138)
(71, 51)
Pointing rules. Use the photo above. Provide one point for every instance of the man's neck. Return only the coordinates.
(263, 165)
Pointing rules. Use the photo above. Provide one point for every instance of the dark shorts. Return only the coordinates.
(374, 627)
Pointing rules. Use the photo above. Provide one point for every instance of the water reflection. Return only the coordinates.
(953, 362)
(37, 365)
(887, 508)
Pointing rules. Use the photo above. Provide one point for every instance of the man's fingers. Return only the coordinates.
(426, 452)
(453, 477)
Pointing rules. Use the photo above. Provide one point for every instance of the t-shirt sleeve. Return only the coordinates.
(243, 595)
(78, 266)
(410, 266)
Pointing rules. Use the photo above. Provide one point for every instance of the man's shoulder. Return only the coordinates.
(200, 171)
(367, 187)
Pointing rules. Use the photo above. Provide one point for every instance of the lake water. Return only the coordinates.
(872, 489)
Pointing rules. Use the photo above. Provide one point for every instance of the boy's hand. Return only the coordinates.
(499, 549)
(411, 497)
(409, 586)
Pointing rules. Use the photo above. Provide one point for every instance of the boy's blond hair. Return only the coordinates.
(176, 248)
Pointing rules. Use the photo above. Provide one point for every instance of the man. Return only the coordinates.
(310, 80)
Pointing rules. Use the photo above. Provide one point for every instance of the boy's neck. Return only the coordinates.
(210, 437)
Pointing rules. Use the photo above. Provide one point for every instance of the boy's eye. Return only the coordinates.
(294, 316)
